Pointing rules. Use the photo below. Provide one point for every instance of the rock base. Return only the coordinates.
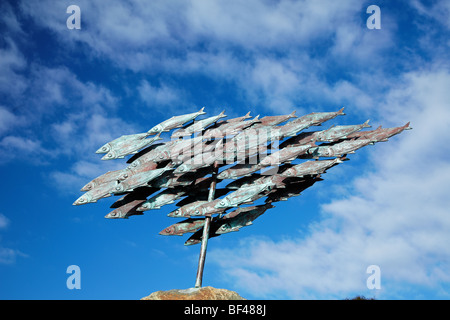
(203, 293)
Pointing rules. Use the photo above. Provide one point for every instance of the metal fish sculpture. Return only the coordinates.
(291, 190)
(131, 170)
(102, 191)
(239, 170)
(123, 212)
(229, 128)
(275, 120)
(243, 195)
(310, 168)
(241, 217)
(337, 150)
(339, 132)
(128, 147)
(185, 210)
(380, 134)
(275, 179)
(122, 140)
(164, 197)
(317, 118)
(186, 226)
(140, 193)
(198, 126)
(104, 178)
(175, 122)
(208, 208)
(139, 179)
(285, 155)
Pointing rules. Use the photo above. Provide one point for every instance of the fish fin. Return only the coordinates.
(201, 111)
(292, 114)
(341, 112)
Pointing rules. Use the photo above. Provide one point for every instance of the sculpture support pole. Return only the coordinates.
(206, 227)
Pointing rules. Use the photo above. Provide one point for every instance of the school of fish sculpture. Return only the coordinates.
(268, 158)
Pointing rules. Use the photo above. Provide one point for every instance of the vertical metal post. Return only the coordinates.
(206, 227)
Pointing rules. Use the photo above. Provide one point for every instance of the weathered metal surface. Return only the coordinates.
(166, 196)
(185, 210)
(207, 209)
(380, 134)
(310, 168)
(229, 128)
(340, 132)
(198, 126)
(121, 141)
(104, 178)
(291, 190)
(132, 170)
(101, 191)
(239, 170)
(175, 122)
(254, 179)
(140, 193)
(123, 212)
(317, 118)
(139, 179)
(186, 226)
(275, 120)
(339, 149)
(128, 147)
(243, 195)
(285, 155)
(241, 217)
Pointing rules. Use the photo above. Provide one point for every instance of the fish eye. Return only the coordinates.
(222, 203)
(82, 199)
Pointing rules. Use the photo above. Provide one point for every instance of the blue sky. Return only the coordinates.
(133, 64)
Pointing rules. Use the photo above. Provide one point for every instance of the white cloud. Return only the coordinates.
(159, 97)
(395, 216)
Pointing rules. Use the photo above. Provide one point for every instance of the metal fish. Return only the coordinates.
(275, 120)
(208, 208)
(131, 146)
(317, 118)
(339, 132)
(182, 227)
(101, 191)
(166, 196)
(131, 170)
(198, 126)
(123, 212)
(254, 179)
(239, 170)
(241, 217)
(310, 168)
(175, 122)
(229, 128)
(122, 140)
(285, 154)
(339, 149)
(237, 219)
(291, 190)
(104, 178)
(243, 195)
(140, 193)
(380, 134)
(185, 210)
(139, 179)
